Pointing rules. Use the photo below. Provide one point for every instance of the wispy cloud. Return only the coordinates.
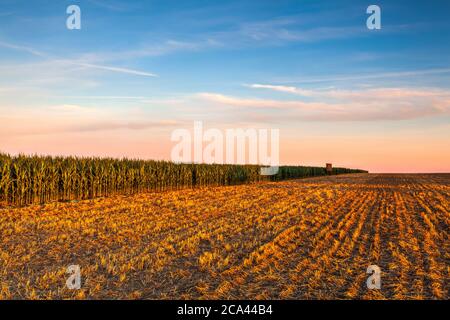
(112, 5)
(339, 105)
(106, 97)
(46, 75)
(114, 69)
(23, 49)
(276, 32)
(267, 33)
(131, 125)
(71, 108)
(75, 61)
(262, 103)
(378, 93)
(279, 88)
(161, 48)
(366, 76)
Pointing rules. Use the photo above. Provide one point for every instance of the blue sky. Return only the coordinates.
(139, 65)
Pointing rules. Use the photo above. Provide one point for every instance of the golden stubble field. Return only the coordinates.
(300, 239)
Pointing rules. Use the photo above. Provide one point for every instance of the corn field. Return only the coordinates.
(36, 179)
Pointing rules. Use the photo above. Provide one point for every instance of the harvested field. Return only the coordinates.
(300, 239)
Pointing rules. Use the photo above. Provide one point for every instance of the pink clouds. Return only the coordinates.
(345, 105)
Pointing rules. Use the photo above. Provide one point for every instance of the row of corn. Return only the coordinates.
(40, 179)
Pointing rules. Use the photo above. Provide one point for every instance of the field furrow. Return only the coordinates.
(312, 238)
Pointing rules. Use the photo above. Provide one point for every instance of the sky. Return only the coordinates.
(137, 70)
